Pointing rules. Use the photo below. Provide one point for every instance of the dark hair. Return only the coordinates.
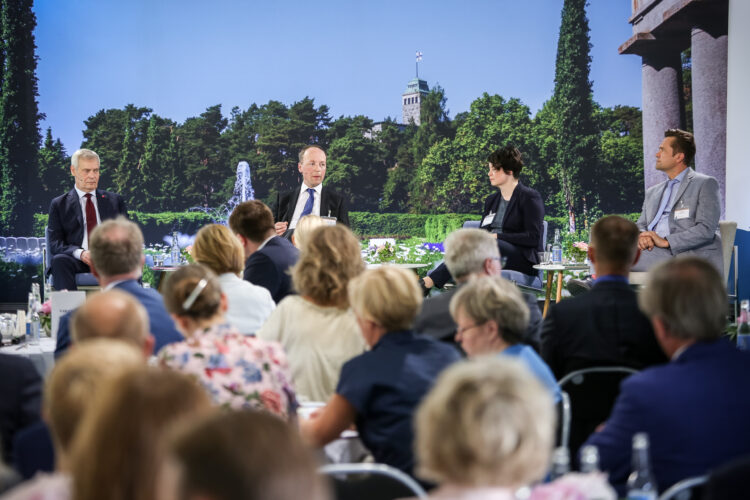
(181, 285)
(309, 146)
(682, 142)
(252, 219)
(508, 158)
(615, 240)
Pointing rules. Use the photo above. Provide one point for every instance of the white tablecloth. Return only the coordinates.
(42, 355)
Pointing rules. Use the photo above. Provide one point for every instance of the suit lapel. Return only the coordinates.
(292, 204)
(325, 203)
(511, 203)
(655, 201)
(683, 186)
(73, 206)
(102, 203)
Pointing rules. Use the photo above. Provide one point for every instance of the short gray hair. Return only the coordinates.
(86, 154)
(486, 422)
(688, 295)
(467, 249)
(116, 247)
(492, 298)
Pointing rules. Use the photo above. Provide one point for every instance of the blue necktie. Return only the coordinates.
(307, 210)
(664, 202)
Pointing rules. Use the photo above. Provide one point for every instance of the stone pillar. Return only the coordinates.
(662, 105)
(709, 73)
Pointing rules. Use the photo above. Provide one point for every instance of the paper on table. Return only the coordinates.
(61, 303)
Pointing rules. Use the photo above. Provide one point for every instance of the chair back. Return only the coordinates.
(468, 224)
(592, 393)
(371, 482)
(687, 489)
(563, 421)
(22, 245)
(727, 230)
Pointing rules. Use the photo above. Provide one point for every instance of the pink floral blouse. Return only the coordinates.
(238, 371)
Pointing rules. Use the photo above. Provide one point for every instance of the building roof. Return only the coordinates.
(416, 85)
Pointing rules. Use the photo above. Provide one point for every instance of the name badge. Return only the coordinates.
(488, 219)
(683, 213)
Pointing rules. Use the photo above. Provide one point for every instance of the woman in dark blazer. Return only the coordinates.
(514, 214)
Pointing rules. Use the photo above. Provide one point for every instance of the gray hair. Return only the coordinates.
(687, 294)
(116, 247)
(86, 154)
(467, 249)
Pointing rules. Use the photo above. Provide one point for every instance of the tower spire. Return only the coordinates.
(419, 58)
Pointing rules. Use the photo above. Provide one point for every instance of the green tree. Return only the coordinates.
(434, 125)
(54, 168)
(154, 163)
(127, 177)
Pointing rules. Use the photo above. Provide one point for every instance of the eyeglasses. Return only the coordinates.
(465, 329)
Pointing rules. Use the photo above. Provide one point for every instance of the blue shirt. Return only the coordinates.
(536, 365)
(386, 384)
(662, 227)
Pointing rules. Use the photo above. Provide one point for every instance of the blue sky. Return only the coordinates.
(181, 56)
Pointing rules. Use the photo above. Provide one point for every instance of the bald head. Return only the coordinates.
(113, 314)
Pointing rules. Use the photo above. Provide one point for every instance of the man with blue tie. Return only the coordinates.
(681, 214)
(311, 197)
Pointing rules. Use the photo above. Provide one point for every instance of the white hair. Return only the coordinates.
(467, 249)
(86, 154)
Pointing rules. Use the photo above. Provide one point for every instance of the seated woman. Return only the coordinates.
(316, 328)
(515, 215)
(238, 371)
(380, 389)
(248, 305)
(491, 317)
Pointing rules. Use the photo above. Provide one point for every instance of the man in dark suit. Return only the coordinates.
(603, 326)
(469, 252)
(268, 256)
(20, 399)
(692, 408)
(117, 260)
(74, 215)
(311, 197)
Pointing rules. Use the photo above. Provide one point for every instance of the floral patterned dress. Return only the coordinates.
(238, 371)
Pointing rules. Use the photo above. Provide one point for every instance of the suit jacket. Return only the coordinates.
(698, 233)
(162, 326)
(20, 399)
(523, 222)
(602, 327)
(693, 409)
(33, 450)
(331, 203)
(269, 267)
(434, 319)
(66, 219)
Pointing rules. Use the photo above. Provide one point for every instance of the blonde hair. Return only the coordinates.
(76, 379)
(111, 314)
(183, 283)
(387, 295)
(305, 226)
(492, 298)
(120, 447)
(330, 259)
(217, 248)
(486, 422)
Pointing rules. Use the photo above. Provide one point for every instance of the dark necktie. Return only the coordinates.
(90, 215)
(307, 210)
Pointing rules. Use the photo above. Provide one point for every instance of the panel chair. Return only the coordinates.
(687, 489)
(371, 482)
(83, 280)
(564, 413)
(592, 393)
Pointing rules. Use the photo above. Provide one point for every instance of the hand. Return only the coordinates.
(86, 257)
(280, 228)
(645, 242)
(658, 240)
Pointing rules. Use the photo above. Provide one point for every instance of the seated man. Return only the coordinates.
(692, 408)
(20, 399)
(74, 215)
(268, 256)
(603, 326)
(311, 197)
(681, 214)
(469, 252)
(117, 261)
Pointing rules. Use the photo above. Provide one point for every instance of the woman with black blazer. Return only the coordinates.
(514, 214)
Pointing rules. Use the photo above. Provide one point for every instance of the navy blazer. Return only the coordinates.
(331, 204)
(161, 324)
(523, 222)
(66, 219)
(270, 266)
(33, 450)
(20, 399)
(694, 410)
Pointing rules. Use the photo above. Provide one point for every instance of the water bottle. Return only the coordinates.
(589, 459)
(36, 326)
(560, 463)
(743, 327)
(641, 483)
(174, 250)
(557, 249)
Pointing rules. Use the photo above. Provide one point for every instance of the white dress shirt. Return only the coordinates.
(302, 199)
(82, 201)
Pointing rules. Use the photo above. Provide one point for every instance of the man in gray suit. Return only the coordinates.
(469, 252)
(681, 214)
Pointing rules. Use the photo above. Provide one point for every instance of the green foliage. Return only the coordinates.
(437, 227)
(157, 168)
(54, 168)
(19, 277)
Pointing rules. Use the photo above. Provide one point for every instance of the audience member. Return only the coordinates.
(72, 217)
(117, 261)
(491, 317)
(20, 399)
(681, 214)
(73, 384)
(243, 455)
(604, 326)
(238, 371)
(119, 449)
(268, 257)
(380, 389)
(248, 305)
(317, 329)
(468, 253)
(305, 227)
(689, 407)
